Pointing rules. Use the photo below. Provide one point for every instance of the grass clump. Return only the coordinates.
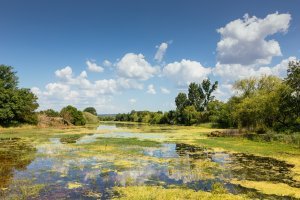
(265, 187)
(127, 142)
(70, 138)
(160, 193)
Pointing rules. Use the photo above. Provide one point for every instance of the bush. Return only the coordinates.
(91, 110)
(17, 105)
(73, 115)
(90, 118)
(50, 113)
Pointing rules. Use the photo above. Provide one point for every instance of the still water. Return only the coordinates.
(91, 166)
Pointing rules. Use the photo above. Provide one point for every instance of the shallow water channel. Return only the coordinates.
(91, 166)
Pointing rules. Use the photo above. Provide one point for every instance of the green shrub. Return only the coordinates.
(90, 118)
(73, 115)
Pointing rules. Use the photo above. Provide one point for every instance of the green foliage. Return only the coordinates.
(50, 113)
(290, 102)
(91, 110)
(190, 115)
(220, 114)
(181, 101)
(195, 97)
(90, 118)
(73, 115)
(8, 78)
(206, 89)
(257, 108)
(16, 105)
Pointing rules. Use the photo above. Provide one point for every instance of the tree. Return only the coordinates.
(194, 96)
(246, 87)
(206, 89)
(8, 78)
(257, 106)
(181, 101)
(189, 115)
(72, 115)
(50, 113)
(293, 81)
(91, 110)
(16, 105)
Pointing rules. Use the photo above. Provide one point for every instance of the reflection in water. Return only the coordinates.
(15, 154)
(185, 165)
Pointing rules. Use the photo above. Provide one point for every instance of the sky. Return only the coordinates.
(119, 56)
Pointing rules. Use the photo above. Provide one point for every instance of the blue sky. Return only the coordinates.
(124, 55)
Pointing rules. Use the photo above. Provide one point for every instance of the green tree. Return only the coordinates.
(257, 106)
(16, 105)
(195, 97)
(181, 101)
(72, 115)
(8, 78)
(190, 115)
(91, 110)
(293, 81)
(50, 113)
(206, 89)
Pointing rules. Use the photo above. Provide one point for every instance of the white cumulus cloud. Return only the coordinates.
(186, 71)
(93, 67)
(244, 41)
(136, 67)
(232, 72)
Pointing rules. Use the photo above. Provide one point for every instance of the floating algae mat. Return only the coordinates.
(103, 165)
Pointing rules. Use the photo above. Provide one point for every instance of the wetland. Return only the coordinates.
(138, 161)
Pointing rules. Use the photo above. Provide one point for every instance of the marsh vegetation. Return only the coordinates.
(138, 161)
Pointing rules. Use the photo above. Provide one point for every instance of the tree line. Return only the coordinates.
(260, 104)
(18, 105)
(263, 103)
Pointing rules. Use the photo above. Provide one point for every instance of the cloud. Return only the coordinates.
(93, 67)
(164, 90)
(132, 101)
(243, 41)
(65, 73)
(135, 66)
(161, 50)
(80, 91)
(107, 63)
(232, 72)
(129, 83)
(151, 89)
(186, 71)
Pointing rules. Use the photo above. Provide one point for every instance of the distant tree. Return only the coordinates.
(156, 117)
(16, 105)
(169, 117)
(91, 110)
(181, 101)
(206, 89)
(293, 81)
(190, 115)
(73, 115)
(246, 87)
(194, 96)
(50, 113)
(8, 78)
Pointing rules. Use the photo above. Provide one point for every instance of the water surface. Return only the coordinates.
(95, 163)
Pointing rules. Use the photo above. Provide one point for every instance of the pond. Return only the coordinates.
(94, 164)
